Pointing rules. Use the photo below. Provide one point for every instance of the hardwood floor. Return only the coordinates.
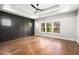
(38, 45)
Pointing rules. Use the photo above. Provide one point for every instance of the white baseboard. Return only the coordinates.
(77, 41)
(64, 38)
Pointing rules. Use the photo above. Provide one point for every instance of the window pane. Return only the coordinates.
(49, 27)
(42, 27)
(56, 27)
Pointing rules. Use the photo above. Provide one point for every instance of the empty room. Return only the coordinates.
(39, 29)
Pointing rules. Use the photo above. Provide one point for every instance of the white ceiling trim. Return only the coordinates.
(26, 13)
(7, 8)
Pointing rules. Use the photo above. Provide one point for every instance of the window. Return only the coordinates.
(42, 27)
(6, 22)
(56, 27)
(49, 27)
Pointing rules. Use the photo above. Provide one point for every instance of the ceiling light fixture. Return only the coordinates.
(36, 7)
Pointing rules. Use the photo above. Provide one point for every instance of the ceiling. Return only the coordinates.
(27, 10)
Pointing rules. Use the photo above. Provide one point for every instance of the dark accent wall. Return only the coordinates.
(20, 27)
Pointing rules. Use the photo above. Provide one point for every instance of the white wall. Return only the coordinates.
(78, 26)
(1, 5)
(68, 25)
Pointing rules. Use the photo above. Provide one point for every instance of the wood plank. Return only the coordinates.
(38, 45)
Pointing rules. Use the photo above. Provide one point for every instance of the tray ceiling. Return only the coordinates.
(27, 10)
